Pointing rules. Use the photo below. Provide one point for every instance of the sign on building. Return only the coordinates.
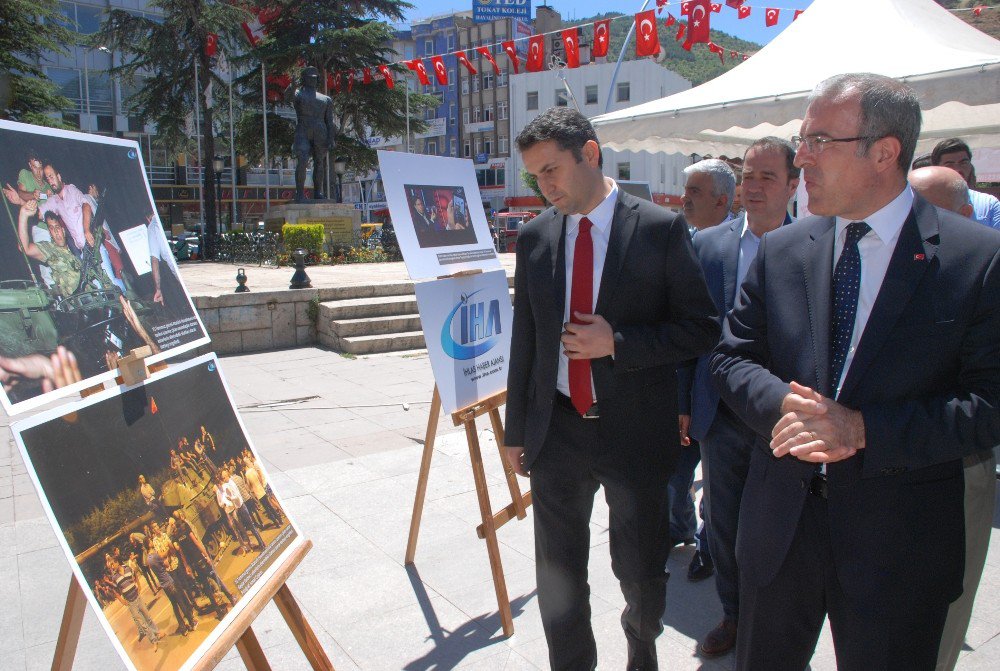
(484, 11)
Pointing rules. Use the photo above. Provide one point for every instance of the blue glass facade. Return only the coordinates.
(437, 37)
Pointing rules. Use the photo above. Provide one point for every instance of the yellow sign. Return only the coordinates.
(337, 229)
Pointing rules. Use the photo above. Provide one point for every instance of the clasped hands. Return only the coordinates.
(815, 428)
(590, 337)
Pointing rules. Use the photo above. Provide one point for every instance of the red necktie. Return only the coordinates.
(582, 301)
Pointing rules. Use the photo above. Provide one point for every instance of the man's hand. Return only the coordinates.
(815, 428)
(65, 370)
(684, 424)
(592, 338)
(11, 194)
(515, 457)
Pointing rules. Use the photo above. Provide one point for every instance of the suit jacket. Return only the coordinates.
(652, 294)
(925, 376)
(718, 250)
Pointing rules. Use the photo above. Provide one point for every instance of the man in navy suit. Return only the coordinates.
(592, 383)
(864, 352)
(726, 252)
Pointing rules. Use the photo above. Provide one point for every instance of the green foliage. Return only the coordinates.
(111, 516)
(249, 133)
(29, 29)
(531, 182)
(305, 236)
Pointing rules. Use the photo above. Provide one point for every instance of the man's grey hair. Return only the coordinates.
(723, 177)
(889, 108)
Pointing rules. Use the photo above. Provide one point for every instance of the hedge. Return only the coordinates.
(307, 236)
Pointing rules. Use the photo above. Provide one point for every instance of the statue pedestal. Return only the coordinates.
(341, 221)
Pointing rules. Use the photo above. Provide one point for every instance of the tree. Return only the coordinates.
(28, 30)
(163, 59)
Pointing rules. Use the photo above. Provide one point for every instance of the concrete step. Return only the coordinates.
(375, 306)
(372, 344)
(374, 325)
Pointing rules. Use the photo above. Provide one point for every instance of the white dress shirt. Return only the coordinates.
(876, 250)
(600, 217)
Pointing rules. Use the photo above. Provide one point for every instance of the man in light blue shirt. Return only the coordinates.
(955, 154)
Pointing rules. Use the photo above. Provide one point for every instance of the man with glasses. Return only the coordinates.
(955, 154)
(864, 352)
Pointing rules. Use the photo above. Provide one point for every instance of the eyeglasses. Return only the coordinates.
(817, 143)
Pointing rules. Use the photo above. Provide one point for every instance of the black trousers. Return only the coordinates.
(571, 466)
(781, 622)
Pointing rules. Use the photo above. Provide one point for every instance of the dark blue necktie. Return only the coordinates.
(846, 283)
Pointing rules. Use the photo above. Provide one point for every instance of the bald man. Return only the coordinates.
(945, 188)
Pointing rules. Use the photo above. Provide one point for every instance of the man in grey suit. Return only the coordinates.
(608, 299)
(864, 352)
(726, 252)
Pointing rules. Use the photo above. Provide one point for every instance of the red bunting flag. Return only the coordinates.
(670, 20)
(680, 32)
(797, 12)
(733, 54)
(367, 75)
(744, 11)
(735, 4)
(716, 7)
(350, 80)
(571, 45)
(771, 18)
(745, 57)
(485, 53)
(440, 71)
(685, 8)
(602, 30)
(276, 85)
(464, 60)
(660, 4)
(698, 22)
(536, 53)
(387, 73)
(716, 49)
(511, 50)
(646, 41)
(977, 10)
(211, 44)
(418, 66)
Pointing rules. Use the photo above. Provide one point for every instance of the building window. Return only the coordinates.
(488, 113)
(475, 84)
(432, 149)
(532, 103)
(591, 93)
(561, 98)
(487, 81)
(501, 109)
(451, 42)
(451, 113)
(502, 145)
(465, 116)
(624, 94)
(428, 47)
(451, 79)
(466, 149)
(502, 79)
(465, 85)
(454, 147)
(479, 145)
(477, 115)
(430, 114)
(488, 146)
(624, 171)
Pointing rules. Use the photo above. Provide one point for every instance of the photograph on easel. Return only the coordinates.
(440, 215)
(86, 272)
(163, 508)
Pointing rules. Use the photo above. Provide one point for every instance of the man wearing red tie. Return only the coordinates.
(609, 299)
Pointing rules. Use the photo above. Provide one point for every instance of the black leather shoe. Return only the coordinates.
(701, 567)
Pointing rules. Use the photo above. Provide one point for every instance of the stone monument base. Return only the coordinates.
(340, 220)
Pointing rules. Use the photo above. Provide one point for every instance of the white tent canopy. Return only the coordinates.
(954, 68)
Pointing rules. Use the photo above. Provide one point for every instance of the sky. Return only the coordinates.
(751, 28)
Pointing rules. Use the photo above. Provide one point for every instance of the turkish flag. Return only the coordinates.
(660, 3)
(685, 8)
(646, 41)
(536, 53)
(771, 18)
(571, 43)
(367, 75)
(511, 50)
(735, 4)
(211, 44)
(440, 71)
(797, 12)
(745, 57)
(670, 20)
(744, 11)
(733, 54)
(698, 22)
(418, 66)
(485, 53)
(602, 34)
(464, 60)
(387, 73)
(350, 80)
(977, 10)
(716, 7)
(716, 49)
(680, 32)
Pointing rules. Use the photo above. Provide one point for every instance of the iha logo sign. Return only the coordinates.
(477, 327)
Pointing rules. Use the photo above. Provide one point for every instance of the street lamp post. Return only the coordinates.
(340, 167)
(218, 164)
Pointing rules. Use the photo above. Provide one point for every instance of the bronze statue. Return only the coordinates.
(315, 134)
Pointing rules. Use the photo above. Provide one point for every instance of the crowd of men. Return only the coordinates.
(837, 376)
(169, 554)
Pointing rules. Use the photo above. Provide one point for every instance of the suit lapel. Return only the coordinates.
(730, 263)
(622, 228)
(555, 239)
(817, 260)
(915, 249)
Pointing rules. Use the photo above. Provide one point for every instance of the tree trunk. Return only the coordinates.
(207, 160)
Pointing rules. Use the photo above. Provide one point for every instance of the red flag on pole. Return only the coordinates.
(211, 44)
(418, 66)
(571, 45)
(511, 50)
(771, 18)
(685, 8)
(698, 22)
(680, 32)
(536, 54)
(735, 4)
(387, 73)
(646, 41)
(670, 20)
(464, 60)
(602, 31)
(485, 53)
(716, 7)
(440, 71)
(733, 54)
(716, 49)
(744, 11)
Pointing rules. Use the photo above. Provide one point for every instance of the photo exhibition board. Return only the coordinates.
(466, 322)
(84, 265)
(437, 214)
(162, 507)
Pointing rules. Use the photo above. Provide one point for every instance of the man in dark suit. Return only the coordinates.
(726, 252)
(865, 346)
(609, 298)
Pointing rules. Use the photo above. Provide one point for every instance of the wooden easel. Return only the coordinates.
(133, 369)
(491, 521)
